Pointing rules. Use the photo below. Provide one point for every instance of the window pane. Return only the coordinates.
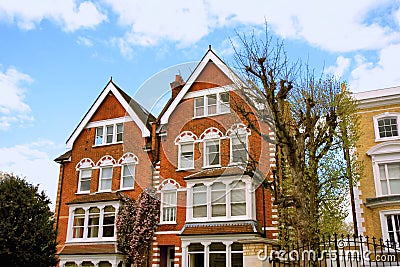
(199, 106)
(387, 127)
(218, 210)
(237, 259)
(110, 132)
(217, 247)
(237, 247)
(394, 186)
(128, 175)
(99, 135)
(85, 177)
(106, 172)
(394, 171)
(211, 104)
(200, 211)
(224, 102)
(217, 259)
(238, 209)
(105, 184)
(186, 157)
(120, 132)
(212, 153)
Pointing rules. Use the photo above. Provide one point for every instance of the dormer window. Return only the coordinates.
(109, 134)
(386, 126)
(211, 104)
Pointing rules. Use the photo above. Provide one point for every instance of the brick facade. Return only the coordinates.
(374, 206)
(157, 155)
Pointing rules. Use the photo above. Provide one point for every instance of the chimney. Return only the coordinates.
(177, 85)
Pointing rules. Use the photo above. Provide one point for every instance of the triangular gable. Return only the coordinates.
(209, 56)
(110, 87)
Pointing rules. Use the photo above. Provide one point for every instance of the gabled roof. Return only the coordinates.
(139, 114)
(209, 56)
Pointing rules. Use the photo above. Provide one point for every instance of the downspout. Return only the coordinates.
(264, 215)
(59, 196)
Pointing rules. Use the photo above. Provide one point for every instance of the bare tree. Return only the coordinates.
(308, 114)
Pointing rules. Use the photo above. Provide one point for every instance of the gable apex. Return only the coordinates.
(139, 115)
(210, 56)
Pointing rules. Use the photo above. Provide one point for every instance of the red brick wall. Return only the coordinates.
(84, 148)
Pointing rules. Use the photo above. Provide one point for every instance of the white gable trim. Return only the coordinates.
(210, 55)
(109, 88)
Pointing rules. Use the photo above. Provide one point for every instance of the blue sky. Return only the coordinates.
(57, 55)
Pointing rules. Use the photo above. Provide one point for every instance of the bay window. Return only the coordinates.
(223, 253)
(219, 200)
(92, 223)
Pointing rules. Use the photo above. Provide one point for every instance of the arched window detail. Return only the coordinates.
(211, 154)
(186, 136)
(185, 142)
(85, 174)
(106, 160)
(211, 133)
(84, 164)
(128, 157)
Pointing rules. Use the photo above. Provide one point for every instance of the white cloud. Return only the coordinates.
(13, 108)
(69, 14)
(32, 162)
(339, 26)
(84, 41)
(367, 75)
(342, 65)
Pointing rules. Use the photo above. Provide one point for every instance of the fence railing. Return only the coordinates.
(339, 251)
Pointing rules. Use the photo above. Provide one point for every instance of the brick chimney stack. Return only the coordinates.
(177, 85)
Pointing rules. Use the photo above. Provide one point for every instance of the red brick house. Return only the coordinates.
(195, 154)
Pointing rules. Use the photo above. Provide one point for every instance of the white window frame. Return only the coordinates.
(171, 207)
(207, 164)
(80, 191)
(219, 103)
(123, 166)
(383, 153)
(168, 186)
(180, 167)
(228, 181)
(228, 241)
(115, 134)
(86, 207)
(376, 118)
(384, 226)
(244, 142)
(101, 178)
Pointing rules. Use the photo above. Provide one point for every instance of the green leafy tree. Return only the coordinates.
(136, 226)
(27, 232)
(314, 120)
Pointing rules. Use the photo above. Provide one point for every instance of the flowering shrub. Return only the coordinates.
(136, 225)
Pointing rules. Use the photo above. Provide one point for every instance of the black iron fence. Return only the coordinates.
(338, 251)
